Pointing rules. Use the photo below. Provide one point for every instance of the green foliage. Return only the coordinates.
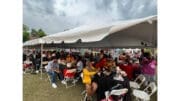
(25, 36)
(25, 33)
(34, 33)
(41, 33)
(38, 34)
(25, 28)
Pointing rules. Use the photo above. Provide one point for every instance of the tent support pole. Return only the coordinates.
(41, 60)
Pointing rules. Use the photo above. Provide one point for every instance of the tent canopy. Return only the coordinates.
(131, 33)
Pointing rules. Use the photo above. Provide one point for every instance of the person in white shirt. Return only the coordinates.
(53, 70)
(79, 69)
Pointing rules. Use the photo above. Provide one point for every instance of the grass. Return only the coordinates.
(36, 89)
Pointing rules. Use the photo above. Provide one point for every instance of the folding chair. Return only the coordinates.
(44, 64)
(28, 66)
(84, 91)
(48, 76)
(118, 92)
(69, 75)
(146, 93)
(137, 82)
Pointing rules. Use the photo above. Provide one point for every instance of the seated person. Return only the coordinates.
(104, 80)
(27, 63)
(53, 71)
(69, 58)
(137, 69)
(101, 63)
(62, 64)
(79, 67)
(128, 68)
(88, 72)
(69, 73)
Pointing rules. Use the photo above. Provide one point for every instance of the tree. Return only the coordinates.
(25, 33)
(25, 36)
(34, 33)
(25, 28)
(41, 33)
(37, 34)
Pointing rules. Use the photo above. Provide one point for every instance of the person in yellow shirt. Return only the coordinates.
(88, 73)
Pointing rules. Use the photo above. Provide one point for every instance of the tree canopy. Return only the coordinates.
(27, 35)
(41, 33)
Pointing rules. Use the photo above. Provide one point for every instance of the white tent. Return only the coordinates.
(131, 33)
(33, 42)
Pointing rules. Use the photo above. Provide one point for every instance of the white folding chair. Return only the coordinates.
(146, 93)
(84, 91)
(138, 82)
(117, 92)
(48, 76)
(43, 67)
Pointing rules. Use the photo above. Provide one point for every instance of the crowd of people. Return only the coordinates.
(99, 70)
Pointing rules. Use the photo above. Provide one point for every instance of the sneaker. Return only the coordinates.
(37, 71)
(54, 85)
(63, 82)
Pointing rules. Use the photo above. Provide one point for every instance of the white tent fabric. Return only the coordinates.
(33, 42)
(130, 33)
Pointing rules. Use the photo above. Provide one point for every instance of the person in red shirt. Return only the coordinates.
(136, 68)
(102, 62)
(128, 68)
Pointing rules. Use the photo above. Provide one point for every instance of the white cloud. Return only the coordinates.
(57, 15)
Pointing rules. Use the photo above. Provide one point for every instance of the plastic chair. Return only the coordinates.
(48, 76)
(28, 66)
(138, 82)
(146, 93)
(44, 64)
(84, 91)
(69, 75)
(118, 92)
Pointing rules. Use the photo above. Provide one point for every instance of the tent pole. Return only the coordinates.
(41, 60)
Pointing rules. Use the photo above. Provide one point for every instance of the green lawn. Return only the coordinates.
(36, 89)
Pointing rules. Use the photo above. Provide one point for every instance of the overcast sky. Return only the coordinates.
(58, 15)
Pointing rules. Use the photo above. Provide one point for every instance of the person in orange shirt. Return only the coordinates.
(88, 72)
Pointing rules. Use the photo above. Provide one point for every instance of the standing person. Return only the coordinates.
(53, 71)
(32, 57)
(38, 62)
(24, 56)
